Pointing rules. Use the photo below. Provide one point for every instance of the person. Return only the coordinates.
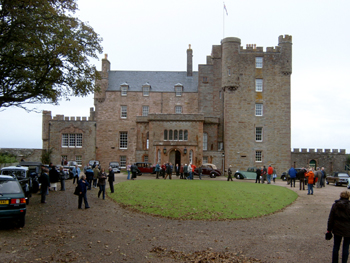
(45, 184)
(82, 183)
(163, 170)
(258, 175)
(200, 171)
(264, 173)
(111, 179)
(185, 171)
(310, 182)
(274, 176)
(128, 168)
(182, 171)
(169, 171)
(324, 175)
(318, 174)
(229, 173)
(292, 175)
(62, 178)
(193, 168)
(96, 173)
(177, 169)
(301, 176)
(269, 174)
(89, 176)
(189, 171)
(134, 171)
(54, 177)
(102, 184)
(157, 170)
(76, 173)
(339, 224)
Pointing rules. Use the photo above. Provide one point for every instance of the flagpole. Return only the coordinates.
(223, 21)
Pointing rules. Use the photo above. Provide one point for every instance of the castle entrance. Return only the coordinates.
(175, 157)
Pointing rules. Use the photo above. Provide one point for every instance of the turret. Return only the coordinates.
(230, 62)
(286, 53)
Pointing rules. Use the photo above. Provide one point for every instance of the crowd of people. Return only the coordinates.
(265, 174)
(184, 171)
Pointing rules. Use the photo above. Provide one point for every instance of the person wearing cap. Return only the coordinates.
(111, 179)
(229, 173)
(339, 224)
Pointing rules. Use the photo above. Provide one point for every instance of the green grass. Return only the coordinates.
(202, 199)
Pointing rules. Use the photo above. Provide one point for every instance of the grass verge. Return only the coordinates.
(202, 199)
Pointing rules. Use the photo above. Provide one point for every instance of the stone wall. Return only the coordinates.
(29, 155)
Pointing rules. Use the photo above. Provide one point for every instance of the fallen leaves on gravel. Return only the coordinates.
(205, 256)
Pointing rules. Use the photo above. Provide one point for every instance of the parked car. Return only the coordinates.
(34, 173)
(21, 173)
(12, 200)
(208, 169)
(145, 167)
(68, 168)
(115, 167)
(249, 174)
(91, 163)
(338, 178)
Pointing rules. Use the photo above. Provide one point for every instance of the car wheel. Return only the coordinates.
(212, 175)
(327, 182)
(22, 221)
(283, 177)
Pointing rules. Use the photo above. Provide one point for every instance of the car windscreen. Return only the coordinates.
(343, 175)
(20, 174)
(9, 187)
(114, 164)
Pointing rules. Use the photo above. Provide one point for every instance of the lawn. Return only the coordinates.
(202, 199)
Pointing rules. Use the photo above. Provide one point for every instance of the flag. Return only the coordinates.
(225, 9)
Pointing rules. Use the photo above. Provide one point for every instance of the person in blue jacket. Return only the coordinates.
(83, 184)
(292, 175)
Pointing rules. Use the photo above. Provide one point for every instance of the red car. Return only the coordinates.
(146, 168)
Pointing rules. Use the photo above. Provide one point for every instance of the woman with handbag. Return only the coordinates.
(83, 184)
(339, 224)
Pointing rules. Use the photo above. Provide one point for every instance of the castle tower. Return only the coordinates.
(103, 82)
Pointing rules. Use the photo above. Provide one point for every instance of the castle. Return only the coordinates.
(235, 110)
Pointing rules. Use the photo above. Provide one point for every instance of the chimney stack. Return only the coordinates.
(189, 61)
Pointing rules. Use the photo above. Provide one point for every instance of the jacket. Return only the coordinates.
(82, 186)
(339, 218)
(96, 172)
(89, 174)
(270, 170)
(169, 169)
(111, 176)
(102, 178)
(310, 176)
(157, 168)
(292, 172)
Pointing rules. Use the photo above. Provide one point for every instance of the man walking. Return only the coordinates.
(258, 174)
(292, 175)
(229, 173)
(269, 174)
(111, 179)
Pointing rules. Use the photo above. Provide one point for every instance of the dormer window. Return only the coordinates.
(178, 90)
(146, 88)
(124, 89)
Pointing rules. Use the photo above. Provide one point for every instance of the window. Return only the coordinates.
(147, 143)
(170, 135)
(159, 155)
(165, 135)
(122, 161)
(205, 79)
(124, 89)
(175, 135)
(123, 140)
(72, 140)
(145, 158)
(258, 134)
(191, 156)
(205, 159)
(258, 85)
(258, 156)
(258, 62)
(185, 135)
(78, 159)
(258, 109)
(181, 135)
(146, 91)
(178, 91)
(123, 112)
(145, 110)
(205, 141)
(178, 109)
(220, 146)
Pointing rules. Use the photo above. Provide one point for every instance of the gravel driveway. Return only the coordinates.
(59, 232)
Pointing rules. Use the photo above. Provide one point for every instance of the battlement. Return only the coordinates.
(60, 117)
(285, 39)
(253, 48)
(325, 151)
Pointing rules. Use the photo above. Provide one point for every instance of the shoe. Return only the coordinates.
(43, 202)
(79, 208)
(87, 207)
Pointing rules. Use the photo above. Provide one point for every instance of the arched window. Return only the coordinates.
(165, 135)
(181, 136)
(205, 141)
(191, 156)
(185, 135)
(159, 156)
(175, 135)
(170, 135)
(147, 145)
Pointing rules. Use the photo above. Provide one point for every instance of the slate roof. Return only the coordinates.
(160, 81)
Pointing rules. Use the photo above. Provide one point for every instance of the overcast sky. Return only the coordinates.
(154, 35)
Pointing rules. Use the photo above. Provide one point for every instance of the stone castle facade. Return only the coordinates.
(235, 110)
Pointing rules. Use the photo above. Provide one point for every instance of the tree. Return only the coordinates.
(44, 52)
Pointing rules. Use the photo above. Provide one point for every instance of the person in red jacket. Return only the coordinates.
(310, 182)
(269, 174)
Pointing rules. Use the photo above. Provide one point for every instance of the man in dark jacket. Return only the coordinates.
(339, 224)
(45, 184)
(169, 171)
(89, 176)
(82, 183)
(111, 179)
(292, 175)
(258, 174)
(301, 177)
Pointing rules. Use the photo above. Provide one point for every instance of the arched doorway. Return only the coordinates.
(175, 157)
(312, 164)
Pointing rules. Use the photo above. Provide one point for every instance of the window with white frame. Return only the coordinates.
(145, 110)
(259, 85)
(124, 90)
(123, 112)
(258, 134)
(175, 135)
(159, 155)
(258, 156)
(181, 135)
(258, 62)
(178, 109)
(205, 141)
(123, 140)
(122, 161)
(78, 159)
(145, 91)
(191, 156)
(205, 159)
(145, 158)
(258, 109)
(178, 91)
(170, 135)
(72, 139)
(147, 143)
(220, 146)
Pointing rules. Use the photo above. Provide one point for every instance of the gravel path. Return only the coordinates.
(59, 232)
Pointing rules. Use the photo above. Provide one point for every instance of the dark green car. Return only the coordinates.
(249, 174)
(12, 200)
